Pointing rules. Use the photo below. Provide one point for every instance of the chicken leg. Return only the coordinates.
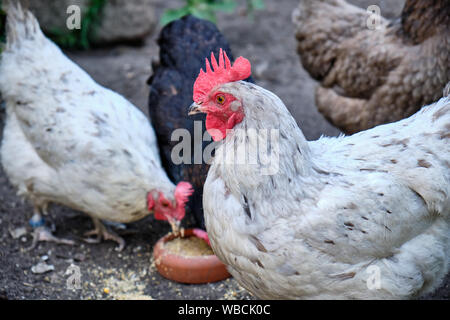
(101, 232)
(41, 232)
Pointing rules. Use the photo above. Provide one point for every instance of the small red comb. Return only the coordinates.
(220, 73)
(182, 192)
(199, 233)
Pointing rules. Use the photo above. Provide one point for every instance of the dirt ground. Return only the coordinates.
(268, 41)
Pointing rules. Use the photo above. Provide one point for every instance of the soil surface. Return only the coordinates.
(97, 271)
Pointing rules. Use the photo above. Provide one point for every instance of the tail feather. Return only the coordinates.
(447, 90)
(20, 25)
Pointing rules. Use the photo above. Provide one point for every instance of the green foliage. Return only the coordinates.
(207, 9)
(2, 24)
(255, 5)
(79, 38)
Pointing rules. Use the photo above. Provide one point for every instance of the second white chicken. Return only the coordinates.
(71, 141)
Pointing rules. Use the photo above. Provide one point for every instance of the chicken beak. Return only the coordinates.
(195, 109)
(175, 225)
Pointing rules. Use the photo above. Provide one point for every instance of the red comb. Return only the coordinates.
(199, 233)
(182, 192)
(221, 73)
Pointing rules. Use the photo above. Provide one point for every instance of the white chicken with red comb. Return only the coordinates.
(354, 217)
(71, 141)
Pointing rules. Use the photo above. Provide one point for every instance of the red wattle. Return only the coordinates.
(216, 127)
(159, 216)
(199, 233)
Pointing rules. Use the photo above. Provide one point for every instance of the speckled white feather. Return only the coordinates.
(69, 140)
(337, 209)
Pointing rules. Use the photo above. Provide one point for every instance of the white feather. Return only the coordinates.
(336, 206)
(69, 140)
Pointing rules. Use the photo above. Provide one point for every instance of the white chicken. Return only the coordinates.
(355, 217)
(71, 141)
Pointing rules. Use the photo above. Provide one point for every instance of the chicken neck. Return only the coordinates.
(267, 150)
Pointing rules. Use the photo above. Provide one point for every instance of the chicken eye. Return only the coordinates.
(220, 99)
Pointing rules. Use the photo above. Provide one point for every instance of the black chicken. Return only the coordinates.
(184, 45)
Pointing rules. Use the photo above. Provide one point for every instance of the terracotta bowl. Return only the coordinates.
(187, 269)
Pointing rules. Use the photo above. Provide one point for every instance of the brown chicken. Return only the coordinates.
(372, 70)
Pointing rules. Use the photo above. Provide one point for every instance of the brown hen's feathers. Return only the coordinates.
(370, 77)
(421, 20)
